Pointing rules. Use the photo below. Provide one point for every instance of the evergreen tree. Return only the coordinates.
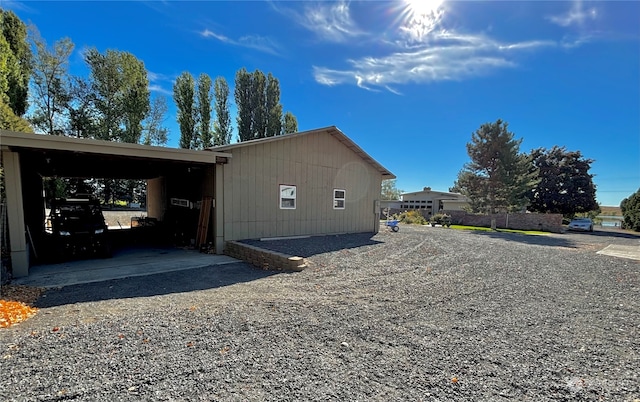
(497, 177)
(631, 211)
(564, 184)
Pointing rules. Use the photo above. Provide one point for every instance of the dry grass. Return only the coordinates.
(610, 211)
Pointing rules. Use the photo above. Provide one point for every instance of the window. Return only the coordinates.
(338, 198)
(287, 196)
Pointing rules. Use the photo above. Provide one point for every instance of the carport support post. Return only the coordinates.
(218, 208)
(15, 213)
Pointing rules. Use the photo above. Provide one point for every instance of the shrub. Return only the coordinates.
(412, 217)
(441, 219)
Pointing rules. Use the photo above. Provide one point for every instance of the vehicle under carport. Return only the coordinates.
(178, 183)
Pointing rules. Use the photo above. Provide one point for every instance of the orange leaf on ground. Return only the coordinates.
(13, 312)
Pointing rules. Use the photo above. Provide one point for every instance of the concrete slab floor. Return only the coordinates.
(622, 251)
(123, 264)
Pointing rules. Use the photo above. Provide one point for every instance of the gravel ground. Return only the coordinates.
(425, 314)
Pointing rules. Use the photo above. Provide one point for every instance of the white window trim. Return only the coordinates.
(343, 199)
(292, 197)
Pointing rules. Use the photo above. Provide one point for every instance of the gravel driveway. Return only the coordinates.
(425, 314)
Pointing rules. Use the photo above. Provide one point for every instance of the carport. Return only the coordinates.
(172, 175)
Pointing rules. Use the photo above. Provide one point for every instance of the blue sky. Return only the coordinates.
(408, 81)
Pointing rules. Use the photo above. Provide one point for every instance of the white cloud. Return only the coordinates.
(427, 52)
(576, 15)
(448, 56)
(156, 80)
(330, 21)
(260, 43)
(159, 89)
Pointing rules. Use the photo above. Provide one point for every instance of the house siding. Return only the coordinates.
(316, 164)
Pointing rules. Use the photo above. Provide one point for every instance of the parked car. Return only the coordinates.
(76, 228)
(584, 224)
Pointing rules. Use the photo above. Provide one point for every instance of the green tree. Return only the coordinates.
(222, 124)
(630, 208)
(154, 131)
(497, 177)
(290, 123)
(389, 190)
(259, 108)
(564, 185)
(50, 84)
(184, 97)
(273, 107)
(83, 117)
(9, 121)
(205, 97)
(136, 97)
(243, 96)
(7, 66)
(17, 71)
(120, 94)
(258, 104)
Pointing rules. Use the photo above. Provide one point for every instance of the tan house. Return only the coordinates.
(309, 183)
(429, 202)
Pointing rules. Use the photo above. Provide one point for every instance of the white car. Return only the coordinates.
(585, 224)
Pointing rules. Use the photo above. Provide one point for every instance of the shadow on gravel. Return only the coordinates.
(539, 240)
(310, 246)
(154, 285)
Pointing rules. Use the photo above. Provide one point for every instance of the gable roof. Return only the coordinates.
(331, 130)
(457, 196)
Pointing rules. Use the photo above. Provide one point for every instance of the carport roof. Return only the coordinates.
(332, 130)
(98, 158)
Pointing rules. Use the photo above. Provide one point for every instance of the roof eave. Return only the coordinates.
(55, 142)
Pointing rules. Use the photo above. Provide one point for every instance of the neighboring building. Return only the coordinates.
(310, 183)
(429, 201)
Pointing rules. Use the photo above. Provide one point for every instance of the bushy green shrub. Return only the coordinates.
(412, 217)
(441, 219)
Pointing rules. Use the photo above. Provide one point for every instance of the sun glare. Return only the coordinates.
(419, 8)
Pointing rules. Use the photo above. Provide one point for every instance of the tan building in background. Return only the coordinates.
(429, 202)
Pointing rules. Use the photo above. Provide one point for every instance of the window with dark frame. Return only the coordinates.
(339, 197)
